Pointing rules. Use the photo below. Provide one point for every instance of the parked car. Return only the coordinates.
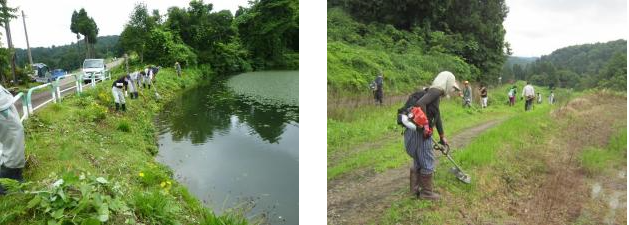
(57, 73)
(94, 68)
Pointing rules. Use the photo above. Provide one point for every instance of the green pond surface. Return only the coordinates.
(235, 144)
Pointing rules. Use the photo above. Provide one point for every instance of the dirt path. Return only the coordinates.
(353, 200)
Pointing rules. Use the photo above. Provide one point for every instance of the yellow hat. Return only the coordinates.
(465, 82)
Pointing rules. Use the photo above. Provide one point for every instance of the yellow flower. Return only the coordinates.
(163, 184)
(141, 174)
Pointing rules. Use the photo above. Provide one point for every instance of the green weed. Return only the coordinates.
(154, 208)
(124, 126)
(594, 160)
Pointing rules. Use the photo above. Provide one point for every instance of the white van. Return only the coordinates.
(95, 68)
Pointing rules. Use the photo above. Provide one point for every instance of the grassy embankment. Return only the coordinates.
(368, 137)
(530, 157)
(357, 52)
(106, 160)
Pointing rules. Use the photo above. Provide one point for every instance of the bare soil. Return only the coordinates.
(363, 195)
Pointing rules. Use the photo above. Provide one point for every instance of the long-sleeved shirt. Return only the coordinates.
(467, 92)
(379, 82)
(120, 83)
(6, 99)
(528, 91)
(429, 103)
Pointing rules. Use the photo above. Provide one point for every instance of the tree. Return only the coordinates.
(136, 31)
(163, 48)
(86, 26)
(269, 29)
(6, 14)
(614, 74)
(473, 29)
(74, 27)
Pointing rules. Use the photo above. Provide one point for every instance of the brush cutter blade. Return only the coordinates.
(460, 175)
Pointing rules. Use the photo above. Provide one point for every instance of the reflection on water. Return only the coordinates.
(229, 150)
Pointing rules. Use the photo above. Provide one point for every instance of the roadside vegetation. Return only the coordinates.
(87, 164)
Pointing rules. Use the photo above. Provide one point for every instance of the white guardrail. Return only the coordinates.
(24, 109)
(55, 92)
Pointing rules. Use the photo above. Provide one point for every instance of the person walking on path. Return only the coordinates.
(467, 95)
(147, 78)
(178, 69)
(379, 93)
(12, 156)
(424, 107)
(483, 96)
(133, 85)
(539, 98)
(117, 89)
(512, 92)
(529, 94)
(551, 98)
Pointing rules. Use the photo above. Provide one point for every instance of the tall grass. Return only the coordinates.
(370, 138)
(595, 160)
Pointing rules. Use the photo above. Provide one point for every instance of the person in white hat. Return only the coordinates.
(418, 140)
(467, 95)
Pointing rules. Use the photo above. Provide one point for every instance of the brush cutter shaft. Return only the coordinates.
(445, 150)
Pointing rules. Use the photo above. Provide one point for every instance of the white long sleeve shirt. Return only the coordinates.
(528, 91)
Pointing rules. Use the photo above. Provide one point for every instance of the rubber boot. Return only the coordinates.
(414, 181)
(117, 107)
(10, 173)
(427, 192)
(124, 107)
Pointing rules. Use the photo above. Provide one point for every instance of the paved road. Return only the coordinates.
(67, 86)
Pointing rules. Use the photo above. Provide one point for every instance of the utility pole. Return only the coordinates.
(11, 50)
(28, 46)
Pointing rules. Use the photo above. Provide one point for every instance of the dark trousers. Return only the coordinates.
(528, 104)
(378, 95)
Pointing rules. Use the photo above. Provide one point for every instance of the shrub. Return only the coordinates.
(150, 176)
(154, 208)
(105, 97)
(124, 126)
(72, 199)
(93, 113)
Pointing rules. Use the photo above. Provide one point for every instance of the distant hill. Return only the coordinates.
(522, 61)
(582, 66)
(70, 56)
(586, 58)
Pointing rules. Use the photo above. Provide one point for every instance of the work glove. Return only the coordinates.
(443, 140)
(427, 131)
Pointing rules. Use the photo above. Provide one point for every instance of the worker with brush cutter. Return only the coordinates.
(12, 157)
(419, 114)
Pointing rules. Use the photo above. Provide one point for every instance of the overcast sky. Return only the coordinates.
(538, 27)
(48, 22)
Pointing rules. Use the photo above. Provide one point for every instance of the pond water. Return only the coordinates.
(235, 144)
